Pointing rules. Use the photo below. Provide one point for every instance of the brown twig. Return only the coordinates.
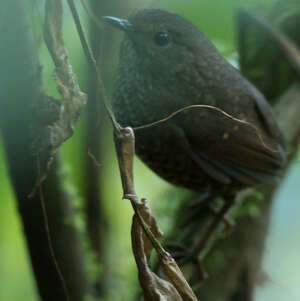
(91, 14)
(93, 64)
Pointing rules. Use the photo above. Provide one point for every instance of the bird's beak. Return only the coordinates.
(121, 24)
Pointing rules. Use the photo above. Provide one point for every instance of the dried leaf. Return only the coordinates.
(49, 138)
(154, 287)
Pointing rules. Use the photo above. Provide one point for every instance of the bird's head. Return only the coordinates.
(162, 40)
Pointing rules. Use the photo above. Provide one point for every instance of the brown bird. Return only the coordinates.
(198, 122)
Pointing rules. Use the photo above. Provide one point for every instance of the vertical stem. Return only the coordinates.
(20, 92)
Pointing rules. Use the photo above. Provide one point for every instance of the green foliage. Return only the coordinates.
(16, 279)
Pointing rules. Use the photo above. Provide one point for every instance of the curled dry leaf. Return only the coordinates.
(72, 99)
(154, 287)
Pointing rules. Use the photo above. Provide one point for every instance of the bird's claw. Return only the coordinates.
(185, 256)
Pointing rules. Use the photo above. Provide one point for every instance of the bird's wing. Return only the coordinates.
(228, 150)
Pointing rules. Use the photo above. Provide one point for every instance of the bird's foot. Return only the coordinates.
(204, 206)
(184, 256)
(196, 208)
(219, 218)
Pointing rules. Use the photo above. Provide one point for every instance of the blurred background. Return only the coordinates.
(281, 259)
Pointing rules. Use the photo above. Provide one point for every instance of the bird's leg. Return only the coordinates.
(200, 201)
(200, 206)
(180, 253)
(213, 227)
(194, 255)
(227, 221)
(196, 207)
(185, 255)
(203, 205)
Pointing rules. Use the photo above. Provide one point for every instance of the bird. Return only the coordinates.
(198, 122)
(167, 64)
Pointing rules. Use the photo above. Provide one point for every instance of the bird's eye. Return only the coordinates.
(161, 39)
